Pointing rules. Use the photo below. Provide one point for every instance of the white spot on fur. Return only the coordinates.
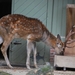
(29, 36)
(58, 45)
(1, 40)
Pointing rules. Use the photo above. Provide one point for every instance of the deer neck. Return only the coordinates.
(49, 39)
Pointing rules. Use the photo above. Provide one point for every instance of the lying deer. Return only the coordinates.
(18, 26)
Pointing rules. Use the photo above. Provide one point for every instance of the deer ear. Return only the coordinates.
(58, 41)
(58, 37)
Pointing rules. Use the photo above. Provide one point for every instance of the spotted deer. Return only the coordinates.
(31, 29)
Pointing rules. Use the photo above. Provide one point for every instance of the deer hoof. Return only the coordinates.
(10, 67)
(36, 66)
(28, 67)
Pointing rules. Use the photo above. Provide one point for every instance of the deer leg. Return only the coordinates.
(4, 51)
(29, 49)
(35, 52)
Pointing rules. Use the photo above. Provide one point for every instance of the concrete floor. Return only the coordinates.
(24, 70)
(15, 71)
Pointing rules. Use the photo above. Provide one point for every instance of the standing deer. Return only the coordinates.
(18, 26)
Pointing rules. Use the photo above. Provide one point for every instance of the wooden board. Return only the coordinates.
(64, 61)
(64, 72)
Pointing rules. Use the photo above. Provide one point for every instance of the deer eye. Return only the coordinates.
(57, 43)
(60, 44)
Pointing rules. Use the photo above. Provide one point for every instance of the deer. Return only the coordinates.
(30, 29)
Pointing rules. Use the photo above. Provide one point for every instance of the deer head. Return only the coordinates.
(53, 42)
(59, 46)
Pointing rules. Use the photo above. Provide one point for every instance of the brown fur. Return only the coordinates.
(23, 26)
